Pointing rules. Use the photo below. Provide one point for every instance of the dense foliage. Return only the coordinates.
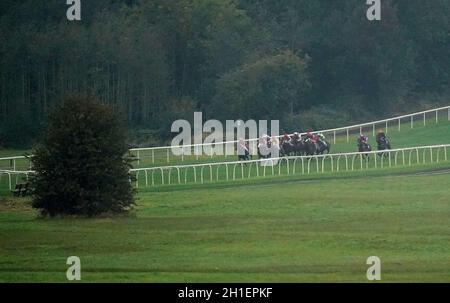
(80, 165)
(160, 60)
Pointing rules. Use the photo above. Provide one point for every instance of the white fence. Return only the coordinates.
(15, 163)
(14, 175)
(305, 165)
(165, 152)
(293, 165)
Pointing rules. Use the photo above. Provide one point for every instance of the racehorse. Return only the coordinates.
(268, 149)
(293, 147)
(364, 147)
(310, 147)
(243, 152)
(287, 148)
(384, 144)
(244, 156)
(322, 146)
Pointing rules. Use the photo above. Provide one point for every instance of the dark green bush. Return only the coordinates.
(80, 164)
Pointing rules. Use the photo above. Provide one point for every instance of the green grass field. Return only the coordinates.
(421, 135)
(317, 227)
(431, 133)
(313, 230)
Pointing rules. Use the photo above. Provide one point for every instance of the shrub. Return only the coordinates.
(80, 163)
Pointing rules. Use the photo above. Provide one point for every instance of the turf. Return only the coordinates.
(317, 227)
(316, 231)
(431, 133)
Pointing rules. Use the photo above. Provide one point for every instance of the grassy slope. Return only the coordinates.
(276, 229)
(322, 230)
(420, 135)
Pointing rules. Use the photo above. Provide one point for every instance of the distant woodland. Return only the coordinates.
(309, 63)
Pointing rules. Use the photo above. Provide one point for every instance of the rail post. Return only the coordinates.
(137, 179)
(162, 176)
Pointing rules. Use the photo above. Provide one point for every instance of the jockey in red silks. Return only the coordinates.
(286, 137)
(311, 136)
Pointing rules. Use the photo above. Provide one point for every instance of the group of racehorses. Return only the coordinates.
(290, 146)
(296, 145)
(383, 143)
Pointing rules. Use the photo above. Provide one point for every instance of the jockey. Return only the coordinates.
(242, 147)
(321, 138)
(274, 142)
(309, 135)
(363, 139)
(263, 140)
(286, 138)
(381, 137)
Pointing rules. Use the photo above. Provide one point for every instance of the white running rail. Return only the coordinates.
(412, 118)
(358, 160)
(351, 162)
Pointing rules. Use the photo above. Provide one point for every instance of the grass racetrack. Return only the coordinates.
(316, 230)
(318, 227)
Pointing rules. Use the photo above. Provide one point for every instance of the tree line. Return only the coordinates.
(308, 63)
